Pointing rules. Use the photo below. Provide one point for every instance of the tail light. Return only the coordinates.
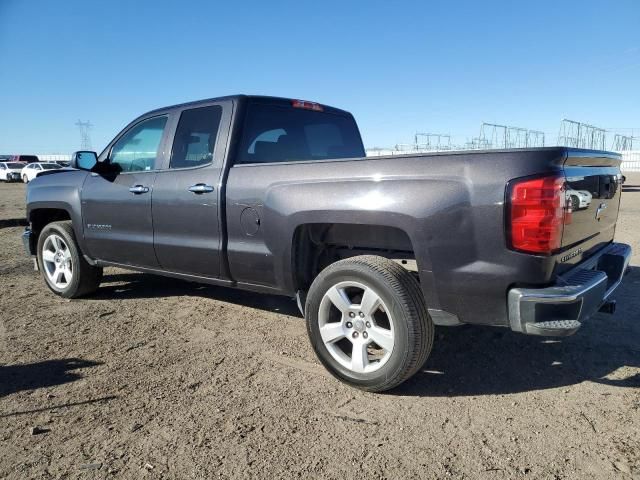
(536, 215)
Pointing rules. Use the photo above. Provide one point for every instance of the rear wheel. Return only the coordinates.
(368, 323)
(65, 270)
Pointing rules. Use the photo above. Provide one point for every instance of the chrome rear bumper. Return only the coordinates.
(560, 310)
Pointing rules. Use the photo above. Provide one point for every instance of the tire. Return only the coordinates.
(394, 313)
(25, 179)
(575, 203)
(64, 262)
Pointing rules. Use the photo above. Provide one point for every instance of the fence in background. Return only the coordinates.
(631, 161)
(56, 157)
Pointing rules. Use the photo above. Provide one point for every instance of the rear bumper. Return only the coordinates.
(560, 310)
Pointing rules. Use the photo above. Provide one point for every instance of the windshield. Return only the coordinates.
(50, 166)
(276, 133)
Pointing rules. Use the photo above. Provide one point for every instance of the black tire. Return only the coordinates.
(85, 279)
(401, 294)
(575, 203)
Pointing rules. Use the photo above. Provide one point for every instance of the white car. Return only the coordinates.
(32, 170)
(10, 171)
(579, 199)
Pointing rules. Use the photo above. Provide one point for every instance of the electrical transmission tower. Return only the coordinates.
(535, 138)
(85, 135)
(505, 136)
(433, 141)
(581, 135)
(622, 143)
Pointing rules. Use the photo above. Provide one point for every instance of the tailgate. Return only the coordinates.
(592, 191)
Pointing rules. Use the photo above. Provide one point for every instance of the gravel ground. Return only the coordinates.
(157, 378)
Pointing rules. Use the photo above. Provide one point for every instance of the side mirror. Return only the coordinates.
(84, 160)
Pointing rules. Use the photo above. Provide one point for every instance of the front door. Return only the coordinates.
(116, 204)
(185, 198)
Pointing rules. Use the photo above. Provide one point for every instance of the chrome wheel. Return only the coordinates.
(356, 327)
(57, 262)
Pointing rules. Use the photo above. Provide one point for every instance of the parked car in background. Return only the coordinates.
(24, 158)
(32, 170)
(578, 199)
(10, 171)
(63, 163)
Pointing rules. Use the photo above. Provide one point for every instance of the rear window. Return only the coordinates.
(15, 165)
(283, 134)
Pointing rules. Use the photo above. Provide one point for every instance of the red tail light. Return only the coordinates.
(537, 214)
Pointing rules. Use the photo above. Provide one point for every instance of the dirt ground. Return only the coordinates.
(157, 378)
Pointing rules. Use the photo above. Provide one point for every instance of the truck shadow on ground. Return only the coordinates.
(141, 285)
(13, 222)
(473, 360)
(467, 360)
(49, 373)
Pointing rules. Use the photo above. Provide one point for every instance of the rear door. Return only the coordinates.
(187, 197)
(116, 204)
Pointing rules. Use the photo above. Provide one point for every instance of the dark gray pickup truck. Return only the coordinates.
(276, 195)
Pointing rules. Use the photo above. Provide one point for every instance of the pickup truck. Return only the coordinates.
(276, 195)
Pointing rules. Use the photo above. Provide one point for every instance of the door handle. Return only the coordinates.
(138, 189)
(201, 188)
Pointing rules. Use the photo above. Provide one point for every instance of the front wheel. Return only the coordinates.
(25, 179)
(65, 270)
(368, 322)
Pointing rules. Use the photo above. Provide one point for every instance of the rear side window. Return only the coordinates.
(195, 138)
(284, 134)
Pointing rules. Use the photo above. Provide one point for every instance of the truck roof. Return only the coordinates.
(243, 97)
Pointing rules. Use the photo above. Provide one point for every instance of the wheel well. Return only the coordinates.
(43, 216)
(317, 245)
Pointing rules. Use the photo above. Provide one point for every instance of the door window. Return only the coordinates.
(137, 150)
(195, 138)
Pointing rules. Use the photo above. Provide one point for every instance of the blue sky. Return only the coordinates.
(442, 66)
